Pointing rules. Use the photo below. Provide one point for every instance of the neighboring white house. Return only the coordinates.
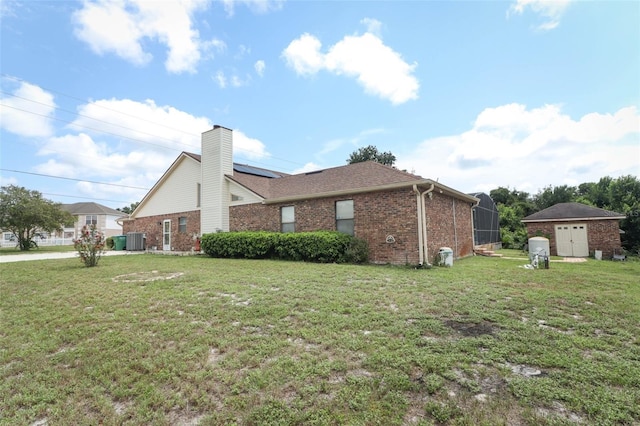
(105, 218)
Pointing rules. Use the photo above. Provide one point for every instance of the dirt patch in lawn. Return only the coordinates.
(472, 329)
(149, 276)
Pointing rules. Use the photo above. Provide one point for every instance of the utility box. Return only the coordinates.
(445, 256)
(136, 241)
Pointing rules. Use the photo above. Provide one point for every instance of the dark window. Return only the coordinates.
(288, 219)
(344, 216)
(182, 225)
(91, 220)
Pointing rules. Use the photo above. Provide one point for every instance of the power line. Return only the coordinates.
(90, 128)
(113, 124)
(77, 180)
(85, 198)
(10, 77)
(86, 116)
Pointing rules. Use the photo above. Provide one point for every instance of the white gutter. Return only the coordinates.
(422, 223)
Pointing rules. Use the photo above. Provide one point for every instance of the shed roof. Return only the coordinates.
(572, 211)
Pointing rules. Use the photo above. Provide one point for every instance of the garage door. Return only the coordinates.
(571, 240)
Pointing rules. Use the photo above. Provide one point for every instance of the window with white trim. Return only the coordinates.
(288, 219)
(91, 219)
(345, 216)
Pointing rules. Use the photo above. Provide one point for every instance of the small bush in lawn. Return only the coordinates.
(90, 245)
(110, 243)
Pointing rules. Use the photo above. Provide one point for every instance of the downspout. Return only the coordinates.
(473, 226)
(422, 223)
(455, 229)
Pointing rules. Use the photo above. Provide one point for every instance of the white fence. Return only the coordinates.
(42, 242)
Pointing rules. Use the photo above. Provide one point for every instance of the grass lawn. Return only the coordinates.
(169, 340)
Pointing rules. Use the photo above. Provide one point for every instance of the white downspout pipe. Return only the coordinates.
(422, 223)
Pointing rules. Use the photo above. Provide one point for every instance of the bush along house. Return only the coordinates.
(404, 218)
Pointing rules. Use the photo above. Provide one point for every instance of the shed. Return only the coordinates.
(577, 230)
(486, 223)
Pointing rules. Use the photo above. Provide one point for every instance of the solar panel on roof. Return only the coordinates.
(243, 168)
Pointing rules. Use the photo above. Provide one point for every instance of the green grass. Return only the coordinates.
(283, 343)
(41, 249)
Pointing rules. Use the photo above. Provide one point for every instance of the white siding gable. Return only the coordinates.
(246, 196)
(176, 193)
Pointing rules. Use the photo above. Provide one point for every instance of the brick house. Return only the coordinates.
(577, 230)
(404, 218)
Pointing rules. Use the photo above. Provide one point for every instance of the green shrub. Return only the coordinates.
(319, 246)
(110, 243)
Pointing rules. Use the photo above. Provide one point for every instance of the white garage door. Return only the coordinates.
(571, 240)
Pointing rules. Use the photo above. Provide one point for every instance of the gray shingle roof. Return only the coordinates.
(568, 211)
(357, 177)
(90, 208)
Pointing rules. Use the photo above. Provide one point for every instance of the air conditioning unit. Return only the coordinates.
(136, 241)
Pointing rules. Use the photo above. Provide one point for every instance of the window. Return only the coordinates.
(235, 197)
(91, 220)
(344, 216)
(288, 219)
(182, 225)
(198, 195)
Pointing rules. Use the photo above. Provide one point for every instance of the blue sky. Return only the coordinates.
(477, 94)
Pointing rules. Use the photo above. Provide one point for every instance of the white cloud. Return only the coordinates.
(143, 123)
(248, 147)
(221, 79)
(373, 25)
(259, 66)
(28, 112)
(256, 6)
(550, 10)
(528, 149)
(378, 68)
(119, 27)
(308, 167)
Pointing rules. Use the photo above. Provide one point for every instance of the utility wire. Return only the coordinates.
(91, 118)
(118, 112)
(85, 198)
(91, 128)
(77, 180)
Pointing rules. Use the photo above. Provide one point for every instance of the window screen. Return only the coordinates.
(344, 216)
(288, 219)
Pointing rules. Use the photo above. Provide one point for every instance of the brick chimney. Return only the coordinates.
(216, 161)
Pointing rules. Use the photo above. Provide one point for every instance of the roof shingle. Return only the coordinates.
(566, 211)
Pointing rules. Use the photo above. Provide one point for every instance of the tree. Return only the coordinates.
(371, 153)
(129, 209)
(24, 212)
(554, 195)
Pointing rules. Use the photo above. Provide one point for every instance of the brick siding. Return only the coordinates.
(377, 215)
(601, 235)
(152, 228)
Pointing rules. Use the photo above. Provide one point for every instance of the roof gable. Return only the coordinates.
(572, 211)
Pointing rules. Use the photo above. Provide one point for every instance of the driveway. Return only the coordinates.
(58, 255)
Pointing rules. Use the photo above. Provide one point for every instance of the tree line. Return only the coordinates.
(621, 195)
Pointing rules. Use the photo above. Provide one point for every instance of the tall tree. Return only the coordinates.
(129, 209)
(24, 212)
(371, 153)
